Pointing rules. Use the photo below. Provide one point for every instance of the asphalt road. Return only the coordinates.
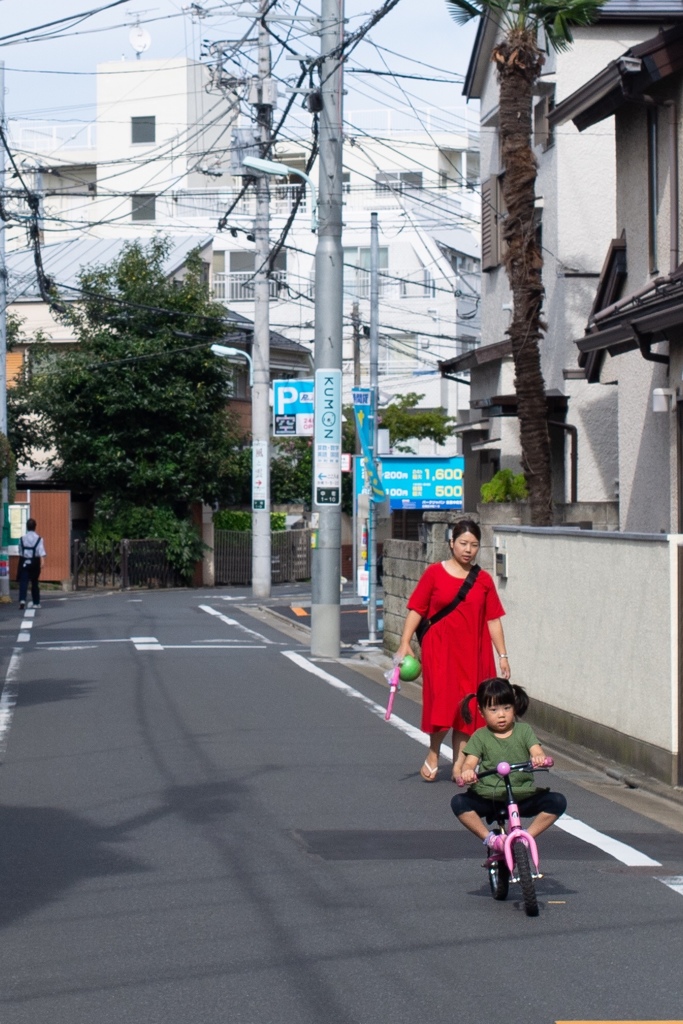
(199, 825)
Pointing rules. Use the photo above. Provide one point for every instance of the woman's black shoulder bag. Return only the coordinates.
(424, 624)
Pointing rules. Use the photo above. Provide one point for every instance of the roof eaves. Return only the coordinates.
(628, 76)
(480, 58)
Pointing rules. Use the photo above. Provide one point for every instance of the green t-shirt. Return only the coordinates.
(492, 749)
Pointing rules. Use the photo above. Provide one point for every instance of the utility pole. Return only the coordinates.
(355, 323)
(4, 553)
(374, 386)
(262, 100)
(326, 566)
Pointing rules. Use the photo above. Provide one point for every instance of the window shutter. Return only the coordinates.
(490, 249)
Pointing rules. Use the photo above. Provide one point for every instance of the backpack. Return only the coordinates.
(26, 557)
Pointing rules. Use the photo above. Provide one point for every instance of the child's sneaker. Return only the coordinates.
(22, 605)
(495, 842)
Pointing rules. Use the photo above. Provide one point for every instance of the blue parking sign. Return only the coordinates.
(293, 407)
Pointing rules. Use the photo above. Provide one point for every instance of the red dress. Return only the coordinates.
(457, 653)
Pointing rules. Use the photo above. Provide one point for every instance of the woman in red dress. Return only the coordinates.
(457, 652)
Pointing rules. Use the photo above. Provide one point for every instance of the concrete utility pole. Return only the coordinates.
(374, 385)
(261, 565)
(4, 553)
(329, 283)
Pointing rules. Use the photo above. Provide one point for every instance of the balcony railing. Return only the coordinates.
(238, 286)
(398, 284)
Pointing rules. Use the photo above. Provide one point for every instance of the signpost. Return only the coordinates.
(327, 438)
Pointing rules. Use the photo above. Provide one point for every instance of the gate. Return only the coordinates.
(290, 556)
(93, 566)
(130, 563)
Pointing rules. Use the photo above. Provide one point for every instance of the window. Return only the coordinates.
(144, 206)
(397, 181)
(245, 262)
(143, 129)
(397, 352)
(242, 262)
(357, 271)
(543, 133)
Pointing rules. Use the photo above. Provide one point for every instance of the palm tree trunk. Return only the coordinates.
(519, 62)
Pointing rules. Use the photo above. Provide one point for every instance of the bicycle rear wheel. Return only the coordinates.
(521, 856)
(499, 879)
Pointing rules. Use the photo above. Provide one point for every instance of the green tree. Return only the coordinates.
(291, 471)
(406, 422)
(137, 411)
(519, 60)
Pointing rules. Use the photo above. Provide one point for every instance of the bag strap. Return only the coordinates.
(459, 597)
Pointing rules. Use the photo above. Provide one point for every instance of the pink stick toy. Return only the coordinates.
(393, 687)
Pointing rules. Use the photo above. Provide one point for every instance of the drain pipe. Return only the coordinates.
(574, 457)
(674, 199)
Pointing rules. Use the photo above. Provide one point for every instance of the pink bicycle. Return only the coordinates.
(518, 860)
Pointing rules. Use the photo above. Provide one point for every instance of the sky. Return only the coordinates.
(53, 80)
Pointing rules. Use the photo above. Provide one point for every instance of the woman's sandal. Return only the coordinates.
(428, 773)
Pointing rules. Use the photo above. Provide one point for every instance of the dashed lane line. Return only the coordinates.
(233, 622)
(620, 851)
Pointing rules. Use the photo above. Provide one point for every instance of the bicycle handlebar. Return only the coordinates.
(503, 768)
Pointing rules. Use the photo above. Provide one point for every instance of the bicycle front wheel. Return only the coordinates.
(499, 879)
(521, 855)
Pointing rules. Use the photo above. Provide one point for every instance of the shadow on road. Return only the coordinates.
(46, 850)
(48, 691)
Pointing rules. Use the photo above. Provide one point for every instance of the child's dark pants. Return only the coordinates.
(529, 806)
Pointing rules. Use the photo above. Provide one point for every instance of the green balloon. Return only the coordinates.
(410, 669)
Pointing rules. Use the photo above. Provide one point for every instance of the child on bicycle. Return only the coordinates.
(503, 738)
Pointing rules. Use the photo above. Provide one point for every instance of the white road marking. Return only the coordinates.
(146, 643)
(73, 647)
(674, 882)
(620, 851)
(29, 613)
(53, 643)
(376, 709)
(8, 699)
(23, 638)
(215, 647)
(234, 622)
(27, 624)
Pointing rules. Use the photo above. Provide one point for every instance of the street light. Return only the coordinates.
(278, 170)
(225, 351)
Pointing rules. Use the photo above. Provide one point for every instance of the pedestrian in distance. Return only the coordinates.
(457, 650)
(503, 738)
(31, 550)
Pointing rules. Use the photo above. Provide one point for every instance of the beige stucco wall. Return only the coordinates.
(589, 626)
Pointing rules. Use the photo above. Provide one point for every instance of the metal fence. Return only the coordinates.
(290, 556)
(144, 563)
(130, 563)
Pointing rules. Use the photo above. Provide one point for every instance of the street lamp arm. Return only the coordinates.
(225, 352)
(279, 170)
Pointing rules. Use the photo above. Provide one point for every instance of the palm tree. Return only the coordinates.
(518, 58)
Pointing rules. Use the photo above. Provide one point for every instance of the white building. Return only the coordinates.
(576, 202)
(158, 159)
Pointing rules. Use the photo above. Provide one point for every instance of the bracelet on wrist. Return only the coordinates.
(503, 656)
